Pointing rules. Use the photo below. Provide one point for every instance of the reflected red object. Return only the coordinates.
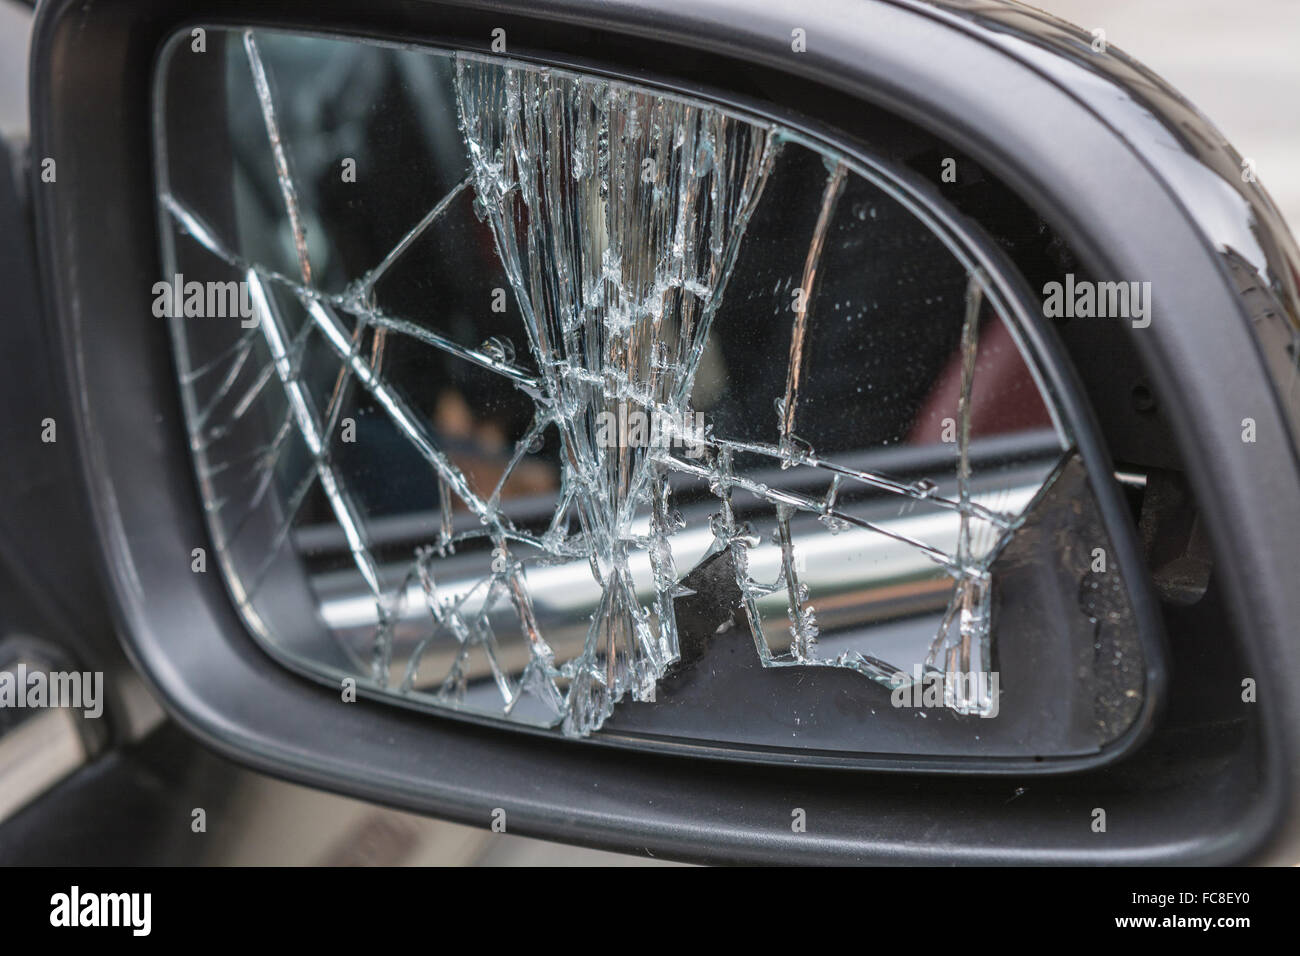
(1004, 397)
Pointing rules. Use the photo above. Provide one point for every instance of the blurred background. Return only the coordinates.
(1237, 60)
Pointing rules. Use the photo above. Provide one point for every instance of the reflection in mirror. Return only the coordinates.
(549, 398)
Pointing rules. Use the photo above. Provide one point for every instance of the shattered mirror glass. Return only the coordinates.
(547, 398)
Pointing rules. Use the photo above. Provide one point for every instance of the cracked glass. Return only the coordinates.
(550, 398)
